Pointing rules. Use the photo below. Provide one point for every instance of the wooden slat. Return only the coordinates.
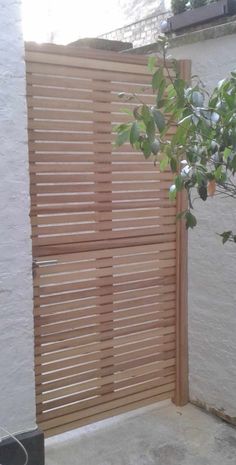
(84, 94)
(161, 335)
(182, 384)
(77, 407)
(94, 338)
(85, 52)
(65, 60)
(151, 378)
(108, 270)
(74, 72)
(73, 358)
(108, 405)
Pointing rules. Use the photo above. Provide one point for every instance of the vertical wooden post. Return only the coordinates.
(182, 384)
(181, 390)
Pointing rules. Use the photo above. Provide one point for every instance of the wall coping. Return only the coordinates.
(205, 33)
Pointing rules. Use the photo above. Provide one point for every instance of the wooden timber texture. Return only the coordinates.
(104, 239)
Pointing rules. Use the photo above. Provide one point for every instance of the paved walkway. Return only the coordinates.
(158, 435)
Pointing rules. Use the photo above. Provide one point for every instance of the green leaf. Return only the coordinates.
(159, 119)
(218, 173)
(197, 98)
(161, 103)
(226, 236)
(122, 137)
(171, 92)
(233, 164)
(173, 165)
(164, 163)
(127, 111)
(190, 220)
(172, 192)
(161, 90)
(152, 60)
(134, 133)
(157, 78)
(179, 137)
(179, 182)
(155, 146)
(146, 115)
(168, 151)
(146, 148)
(121, 127)
(136, 113)
(202, 190)
(151, 129)
(181, 214)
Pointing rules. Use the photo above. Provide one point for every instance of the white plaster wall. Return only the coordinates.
(212, 266)
(17, 402)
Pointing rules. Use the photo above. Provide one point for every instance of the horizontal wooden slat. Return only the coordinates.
(85, 52)
(94, 338)
(77, 407)
(108, 405)
(99, 377)
(105, 216)
(51, 250)
(65, 60)
(142, 357)
(73, 356)
(98, 74)
(88, 94)
(101, 416)
(165, 334)
(104, 241)
(152, 378)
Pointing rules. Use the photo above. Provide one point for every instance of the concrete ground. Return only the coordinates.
(157, 435)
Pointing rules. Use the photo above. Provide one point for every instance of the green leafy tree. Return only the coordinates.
(202, 152)
(178, 6)
(197, 3)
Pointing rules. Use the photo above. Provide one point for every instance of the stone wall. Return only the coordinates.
(134, 10)
(144, 31)
(17, 402)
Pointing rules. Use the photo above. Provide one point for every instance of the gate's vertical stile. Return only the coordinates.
(109, 332)
(39, 405)
(182, 385)
(36, 290)
(103, 171)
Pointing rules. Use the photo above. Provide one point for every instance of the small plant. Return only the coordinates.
(202, 152)
(197, 3)
(178, 6)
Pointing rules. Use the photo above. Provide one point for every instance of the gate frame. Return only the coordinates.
(181, 396)
(182, 373)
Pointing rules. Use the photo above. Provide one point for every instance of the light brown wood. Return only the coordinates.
(74, 357)
(98, 74)
(94, 338)
(182, 387)
(89, 403)
(145, 379)
(65, 60)
(87, 94)
(109, 258)
(155, 370)
(90, 53)
(107, 414)
(108, 405)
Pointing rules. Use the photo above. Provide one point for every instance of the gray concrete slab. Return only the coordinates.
(160, 434)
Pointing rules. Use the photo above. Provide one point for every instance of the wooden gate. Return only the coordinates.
(109, 259)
